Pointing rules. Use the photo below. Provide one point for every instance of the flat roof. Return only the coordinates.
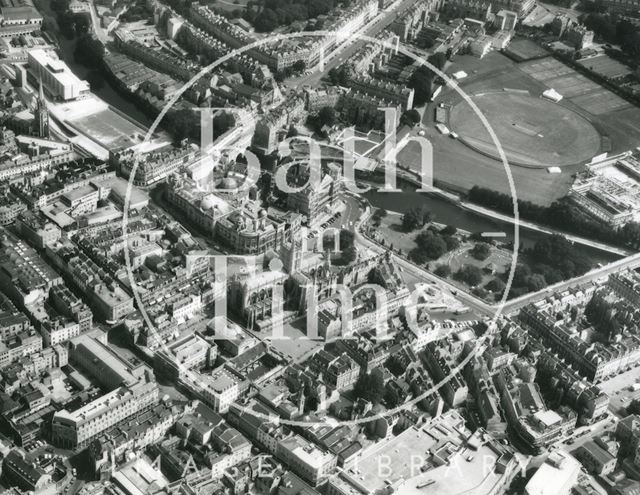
(19, 13)
(104, 357)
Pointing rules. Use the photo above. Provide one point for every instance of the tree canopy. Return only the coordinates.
(277, 13)
(469, 274)
(481, 251)
(416, 218)
(370, 387)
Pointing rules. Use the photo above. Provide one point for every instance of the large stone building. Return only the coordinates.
(239, 223)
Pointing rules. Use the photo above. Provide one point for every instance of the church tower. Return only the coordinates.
(292, 255)
(42, 114)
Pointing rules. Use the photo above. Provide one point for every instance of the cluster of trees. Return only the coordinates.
(277, 13)
(562, 214)
(443, 271)
(327, 116)
(370, 387)
(340, 76)
(614, 30)
(378, 215)
(70, 24)
(602, 316)
(481, 251)
(423, 78)
(432, 245)
(411, 117)
(136, 12)
(496, 285)
(470, 275)
(551, 260)
(297, 68)
(634, 407)
(348, 252)
(180, 6)
(89, 51)
(416, 218)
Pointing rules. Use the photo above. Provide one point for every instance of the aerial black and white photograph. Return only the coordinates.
(320, 247)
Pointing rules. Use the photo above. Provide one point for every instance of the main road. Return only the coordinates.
(482, 307)
(349, 48)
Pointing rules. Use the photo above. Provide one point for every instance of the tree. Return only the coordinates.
(395, 365)
(451, 242)
(378, 215)
(340, 76)
(299, 66)
(442, 271)
(183, 124)
(89, 51)
(521, 275)
(412, 117)
(415, 218)
(418, 256)
(391, 397)
(496, 285)
(370, 387)
(480, 292)
(481, 251)
(630, 234)
(536, 282)
(449, 230)
(438, 60)
(432, 245)
(83, 23)
(292, 132)
(557, 252)
(469, 274)
(422, 83)
(349, 255)
(634, 407)
(266, 22)
(602, 26)
(222, 122)
(347, 239)
(326, 116)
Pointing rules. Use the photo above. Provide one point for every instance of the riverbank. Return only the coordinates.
(449, 208)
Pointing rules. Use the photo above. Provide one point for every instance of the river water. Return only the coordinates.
(104, 91)
(448, 213)
(443, 211)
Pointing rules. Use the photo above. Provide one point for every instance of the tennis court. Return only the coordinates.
(606, 66)
(579, 89)
(522, 49)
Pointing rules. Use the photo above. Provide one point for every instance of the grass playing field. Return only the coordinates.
(458, 166)
(531, 130)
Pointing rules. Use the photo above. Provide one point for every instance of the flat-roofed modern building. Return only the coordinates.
(306, 459)
(218, 390)
(56, 76)
(191, 352)
(107, 367)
